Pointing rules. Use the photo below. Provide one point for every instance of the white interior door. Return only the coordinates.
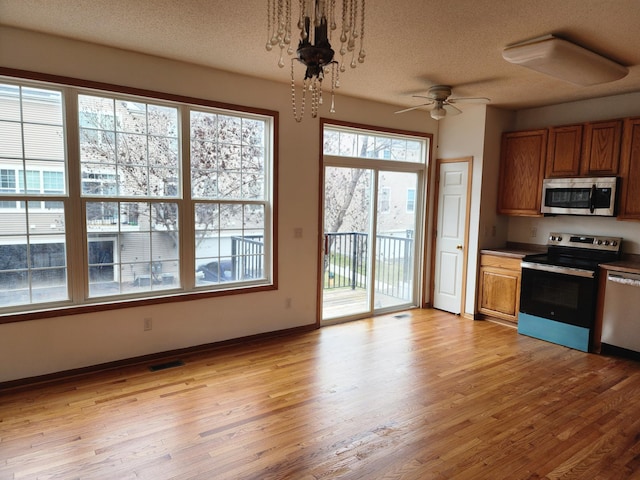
(451, 235)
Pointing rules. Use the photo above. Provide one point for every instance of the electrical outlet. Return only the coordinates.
(287, 302)
(534, 232)
(148, 324)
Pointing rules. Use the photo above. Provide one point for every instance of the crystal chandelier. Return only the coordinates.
(316, 22)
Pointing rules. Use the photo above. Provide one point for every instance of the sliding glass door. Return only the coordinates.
(373, 203)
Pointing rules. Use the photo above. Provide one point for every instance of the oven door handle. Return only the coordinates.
(592, 199)
(576, 272)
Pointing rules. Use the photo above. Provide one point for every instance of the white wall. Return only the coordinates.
(39, 347)
(620, 106)
(463, 136)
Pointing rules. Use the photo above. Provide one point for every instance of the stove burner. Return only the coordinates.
(578, 251)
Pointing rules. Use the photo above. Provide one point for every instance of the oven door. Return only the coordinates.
(566, 295)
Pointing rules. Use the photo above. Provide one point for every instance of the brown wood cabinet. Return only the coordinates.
(564, 151)
(522, 161)
(629, 206)
(601, 148)
(499, 287)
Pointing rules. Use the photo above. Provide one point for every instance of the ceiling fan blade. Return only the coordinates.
(469, 100)
(413, 108)
(451, 110)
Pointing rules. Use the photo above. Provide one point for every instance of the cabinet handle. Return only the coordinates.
(459, 247)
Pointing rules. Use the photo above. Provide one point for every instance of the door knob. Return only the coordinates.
(459, 247)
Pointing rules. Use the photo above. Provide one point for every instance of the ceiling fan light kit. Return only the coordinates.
(438, 96)
(438, 112)
(562, 59)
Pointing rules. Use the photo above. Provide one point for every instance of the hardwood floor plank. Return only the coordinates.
(423, 396)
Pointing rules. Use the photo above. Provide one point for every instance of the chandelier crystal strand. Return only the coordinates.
(287, 37)
(282, 29)
(271, 16)
(332, 17)
(293, 96)
(343, 33)
(351, 46)
(314, 98)
(362, 53)
(333, 88)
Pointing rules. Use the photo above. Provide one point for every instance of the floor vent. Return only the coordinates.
(164, 366)
(402, 315)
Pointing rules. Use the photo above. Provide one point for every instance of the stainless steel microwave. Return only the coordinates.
(579, 196)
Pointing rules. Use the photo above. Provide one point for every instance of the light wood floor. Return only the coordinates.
(423, 395)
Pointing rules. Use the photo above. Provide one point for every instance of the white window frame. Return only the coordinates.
(74, 202)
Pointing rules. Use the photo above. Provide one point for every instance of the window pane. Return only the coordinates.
(342, 142)
(227, 157)
(133, 247)
(40, 106)
(331, 145)
(9, 102)
(97, 146)
(43, 142)
(131, 117)
(163, 121)
(103, 183)
(10, 140)
(133, 144)
(229, 243)
(33, 268)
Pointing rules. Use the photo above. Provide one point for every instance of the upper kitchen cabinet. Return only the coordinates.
(601, 148)
(522, 163)
(630, 171)
(564, 151)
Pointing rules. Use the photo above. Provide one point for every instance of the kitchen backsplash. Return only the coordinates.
(536, 230)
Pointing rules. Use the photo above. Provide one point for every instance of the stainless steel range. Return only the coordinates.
(558, 289)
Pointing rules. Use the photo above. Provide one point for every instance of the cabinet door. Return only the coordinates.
(499, 293)
(630, 171)
(522, 158)
(564, 151)
(601, 148)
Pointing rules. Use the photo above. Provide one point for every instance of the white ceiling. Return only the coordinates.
(410, 44)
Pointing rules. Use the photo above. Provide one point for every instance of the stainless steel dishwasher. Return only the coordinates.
(621, 319)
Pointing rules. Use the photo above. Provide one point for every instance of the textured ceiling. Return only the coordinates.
(410, 44)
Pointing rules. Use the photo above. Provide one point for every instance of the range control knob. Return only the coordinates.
(614, 243)
(606, 242)
(559, 238)
(599, 242)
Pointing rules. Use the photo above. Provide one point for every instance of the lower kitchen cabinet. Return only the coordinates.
(499, 287)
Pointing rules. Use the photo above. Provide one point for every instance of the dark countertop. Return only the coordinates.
(515, 250)
(628, 264)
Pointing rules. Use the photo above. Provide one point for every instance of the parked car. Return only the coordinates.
(216, 271)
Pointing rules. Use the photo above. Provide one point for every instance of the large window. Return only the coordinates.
(155, 214)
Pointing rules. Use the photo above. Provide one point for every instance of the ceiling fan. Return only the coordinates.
(438, 96)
